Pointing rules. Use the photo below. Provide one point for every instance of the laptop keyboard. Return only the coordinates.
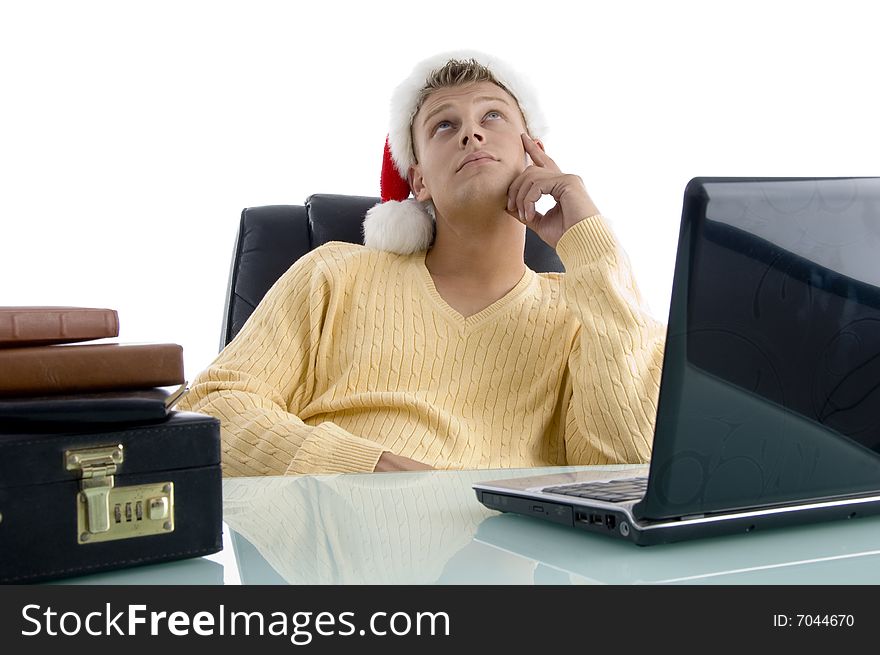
(613, 491)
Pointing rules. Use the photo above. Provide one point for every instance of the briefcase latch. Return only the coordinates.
(106, 512)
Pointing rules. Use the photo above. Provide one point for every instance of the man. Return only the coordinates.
(435, 346)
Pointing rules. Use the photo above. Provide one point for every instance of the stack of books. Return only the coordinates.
(49, 375)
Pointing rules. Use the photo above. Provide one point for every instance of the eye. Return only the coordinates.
(442, 125)
(494, 115)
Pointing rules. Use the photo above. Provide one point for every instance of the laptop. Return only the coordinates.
(769, 405)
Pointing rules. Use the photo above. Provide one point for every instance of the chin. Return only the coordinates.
(483, 193)
(476, 204)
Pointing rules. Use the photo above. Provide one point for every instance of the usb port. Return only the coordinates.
(596, 519)
(610, 521)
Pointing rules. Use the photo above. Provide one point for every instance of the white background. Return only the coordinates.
(134, 133)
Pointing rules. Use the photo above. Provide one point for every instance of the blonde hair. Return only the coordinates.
(457, 72)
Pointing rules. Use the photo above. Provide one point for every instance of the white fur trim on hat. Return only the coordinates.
(405, 96)
(402, 227)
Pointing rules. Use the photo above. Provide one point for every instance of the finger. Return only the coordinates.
(512, 190)
(535, 221)
(541, 158)
(521, 199)
(515, 186)
(533, 150)
(529, 191)
(532, 196)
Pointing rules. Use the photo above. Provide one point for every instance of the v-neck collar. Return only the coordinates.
(469, 323)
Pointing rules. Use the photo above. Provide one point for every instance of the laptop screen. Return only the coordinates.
(771, 377)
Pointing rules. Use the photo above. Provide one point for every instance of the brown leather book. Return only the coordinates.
(41, 326)
(90, 367)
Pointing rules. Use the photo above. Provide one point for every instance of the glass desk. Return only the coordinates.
(428, 528)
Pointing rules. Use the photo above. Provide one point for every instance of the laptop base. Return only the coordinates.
(619, 522)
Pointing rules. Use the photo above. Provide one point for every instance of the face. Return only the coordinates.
(468, 146)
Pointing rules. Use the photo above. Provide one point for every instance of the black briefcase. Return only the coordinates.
(83, 499)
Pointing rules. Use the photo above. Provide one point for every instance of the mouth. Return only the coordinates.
(476, 157)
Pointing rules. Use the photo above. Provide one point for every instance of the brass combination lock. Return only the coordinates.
(106, 512)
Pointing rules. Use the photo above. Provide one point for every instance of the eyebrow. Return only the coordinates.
(442, 107)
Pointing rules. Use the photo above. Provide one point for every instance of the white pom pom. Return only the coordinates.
(402, 227)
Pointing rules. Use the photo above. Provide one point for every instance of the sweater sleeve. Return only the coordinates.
(616, 359)
(266, 375)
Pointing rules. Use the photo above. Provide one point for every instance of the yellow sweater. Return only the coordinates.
(354, 352)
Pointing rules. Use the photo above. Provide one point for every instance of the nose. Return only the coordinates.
(469, 132)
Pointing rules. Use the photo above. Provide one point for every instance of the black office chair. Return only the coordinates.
(271, 238)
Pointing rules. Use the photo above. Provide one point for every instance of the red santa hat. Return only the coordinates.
(404, 225)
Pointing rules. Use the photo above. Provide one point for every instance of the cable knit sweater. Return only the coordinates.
(354, 352)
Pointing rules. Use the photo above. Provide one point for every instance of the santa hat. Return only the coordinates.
(402, 225)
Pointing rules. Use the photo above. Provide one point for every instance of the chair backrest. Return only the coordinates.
(271, 238)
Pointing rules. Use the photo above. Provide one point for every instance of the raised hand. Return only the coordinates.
(573, 203)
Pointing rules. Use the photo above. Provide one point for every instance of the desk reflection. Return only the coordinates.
(428, 528)
(389, 528)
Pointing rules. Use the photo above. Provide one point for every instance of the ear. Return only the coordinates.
(417, 184)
